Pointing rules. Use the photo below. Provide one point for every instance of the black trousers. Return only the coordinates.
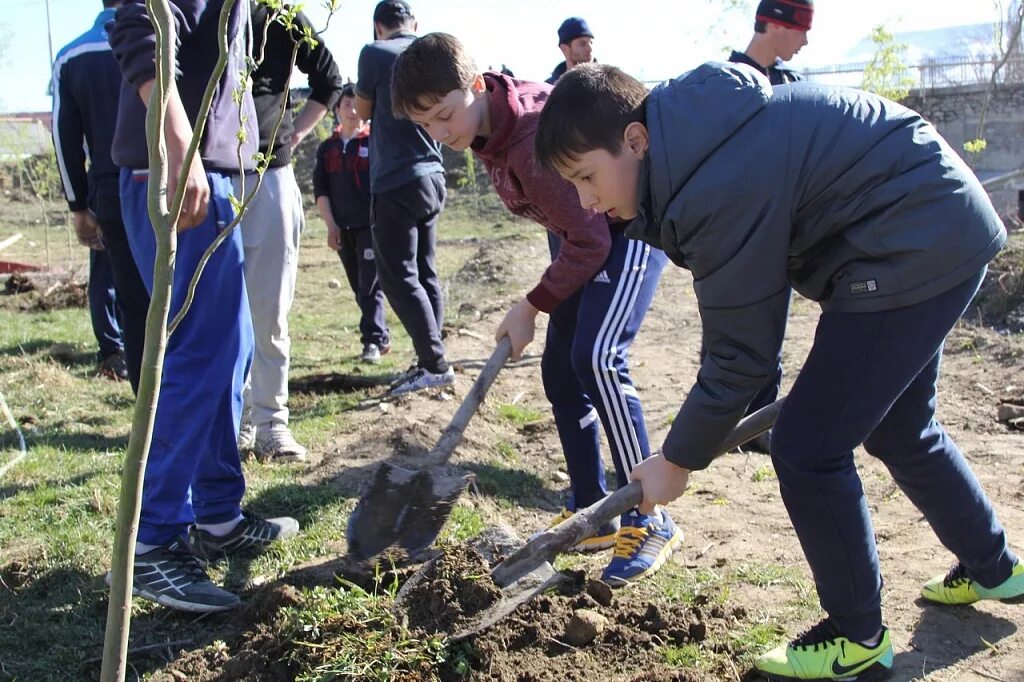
(132, 296)
(404, 224)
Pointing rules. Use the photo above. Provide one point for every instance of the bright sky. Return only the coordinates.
(651, 39)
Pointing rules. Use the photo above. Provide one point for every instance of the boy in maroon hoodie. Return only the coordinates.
(596, 290)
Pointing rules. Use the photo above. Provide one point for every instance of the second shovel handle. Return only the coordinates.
(452, 434)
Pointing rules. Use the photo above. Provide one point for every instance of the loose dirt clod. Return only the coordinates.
(454, 588)
(584, 626)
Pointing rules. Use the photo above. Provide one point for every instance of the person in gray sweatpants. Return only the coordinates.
(273, 225)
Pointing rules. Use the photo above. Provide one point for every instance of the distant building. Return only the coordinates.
(25, 134)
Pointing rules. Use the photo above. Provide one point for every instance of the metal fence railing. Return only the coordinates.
(932, 73)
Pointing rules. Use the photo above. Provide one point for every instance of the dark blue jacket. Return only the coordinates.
(854, 201)
(342, 174)
(86, 83)
(196, 21)
(778, 73)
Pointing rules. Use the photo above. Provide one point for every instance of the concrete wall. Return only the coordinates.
(955, 111)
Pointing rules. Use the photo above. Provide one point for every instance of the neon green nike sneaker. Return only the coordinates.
(956, 588)
(822, 653)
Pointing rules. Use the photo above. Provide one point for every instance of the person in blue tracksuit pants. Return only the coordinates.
(194, 473)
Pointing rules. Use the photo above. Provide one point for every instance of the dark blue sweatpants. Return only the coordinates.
(870, 379)
(103, 307)
(585, 367)
(194, 472)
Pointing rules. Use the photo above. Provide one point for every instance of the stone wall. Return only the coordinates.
(955, 111)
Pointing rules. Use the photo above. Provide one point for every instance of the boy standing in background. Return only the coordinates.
(341, 185)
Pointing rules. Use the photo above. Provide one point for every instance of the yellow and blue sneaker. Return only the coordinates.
(643, 544)
(603, 539)
(956, 588)
(822, 653)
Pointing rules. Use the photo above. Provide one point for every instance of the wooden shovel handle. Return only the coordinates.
(585, 522)
(452, 435)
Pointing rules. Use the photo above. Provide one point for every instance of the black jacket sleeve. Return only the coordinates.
(134, 41)
(69, 143)
(743, 294)
(320, 68)
(320, 186)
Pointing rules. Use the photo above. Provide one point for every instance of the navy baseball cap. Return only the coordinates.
(389, 12)
(573, 28)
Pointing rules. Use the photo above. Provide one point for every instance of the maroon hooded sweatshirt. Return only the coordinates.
(542, 196)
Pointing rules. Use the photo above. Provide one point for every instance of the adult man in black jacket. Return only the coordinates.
(86, 84)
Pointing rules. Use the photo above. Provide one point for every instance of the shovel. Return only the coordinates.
(408, 507)
(527, 571)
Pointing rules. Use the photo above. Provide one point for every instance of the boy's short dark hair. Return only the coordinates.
(347, 90)
(431, 67)
(589, 109)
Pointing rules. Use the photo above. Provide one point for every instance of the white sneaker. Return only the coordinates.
(371, 354)
(421, 379)
(246, 436)
(277, 443)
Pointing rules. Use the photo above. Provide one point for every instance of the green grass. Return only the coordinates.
(519, 415)
(764, 473)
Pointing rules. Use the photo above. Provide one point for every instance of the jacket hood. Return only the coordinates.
(714, 101)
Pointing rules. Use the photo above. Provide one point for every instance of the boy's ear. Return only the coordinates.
(566, 51)
(479, 85)
(635, 139)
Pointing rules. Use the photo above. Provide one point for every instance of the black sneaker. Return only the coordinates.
(114, 367)
(252, 533)
(172, 576)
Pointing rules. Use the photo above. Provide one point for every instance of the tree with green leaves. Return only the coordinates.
(886, 74)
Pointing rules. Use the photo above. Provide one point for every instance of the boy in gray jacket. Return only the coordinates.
(857, 203)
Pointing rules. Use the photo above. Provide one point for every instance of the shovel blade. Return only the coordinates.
(403, 508)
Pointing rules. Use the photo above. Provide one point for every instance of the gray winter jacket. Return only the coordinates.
(851, 199)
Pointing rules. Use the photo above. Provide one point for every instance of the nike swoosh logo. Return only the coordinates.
(840, 669)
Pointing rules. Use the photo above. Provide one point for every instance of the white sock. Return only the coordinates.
(220, 529)
(142, 548)
(873, 642)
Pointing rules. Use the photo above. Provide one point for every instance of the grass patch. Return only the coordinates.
(686, 656)
(352, 634)
(464, 523)
(765, 473)
(519, 415)
(691, 586)
(507, 451)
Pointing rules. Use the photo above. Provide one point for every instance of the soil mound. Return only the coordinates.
(454, 588)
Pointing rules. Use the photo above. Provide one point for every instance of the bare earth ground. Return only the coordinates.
(733, 516)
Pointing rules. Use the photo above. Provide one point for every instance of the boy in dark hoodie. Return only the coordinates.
(856, 203)
(597, 289)
(341, 185)
(194, 480)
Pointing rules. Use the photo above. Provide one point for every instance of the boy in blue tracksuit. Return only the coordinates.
(194, 473)
(341, 185)
(856, 203)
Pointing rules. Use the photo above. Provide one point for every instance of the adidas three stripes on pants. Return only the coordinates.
(585, 368)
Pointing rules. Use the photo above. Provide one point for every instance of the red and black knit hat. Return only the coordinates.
(789, 13)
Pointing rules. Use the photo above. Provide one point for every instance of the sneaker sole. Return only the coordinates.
(172, 603)
(594, 545)
(666, 552)
(190, 607)
(875, 673)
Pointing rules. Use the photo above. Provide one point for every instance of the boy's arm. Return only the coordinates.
(321, 191)
(324, 81)
(366, 82)
(69, 142)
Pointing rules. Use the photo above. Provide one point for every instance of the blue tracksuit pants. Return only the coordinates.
(194, 472)
(585, 367)
(870, 379)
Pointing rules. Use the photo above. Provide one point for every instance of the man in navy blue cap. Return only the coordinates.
(577, 45)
